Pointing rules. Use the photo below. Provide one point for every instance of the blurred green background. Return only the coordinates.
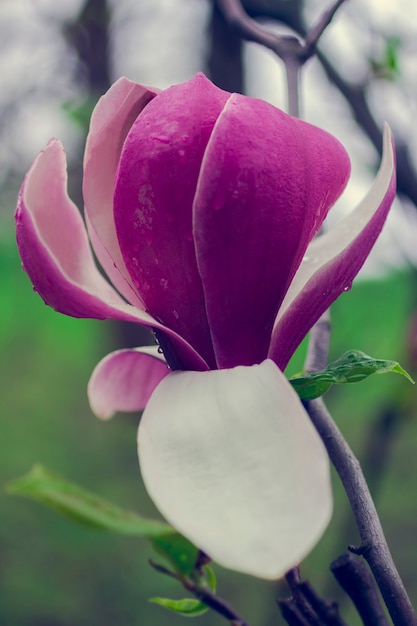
(55, 573)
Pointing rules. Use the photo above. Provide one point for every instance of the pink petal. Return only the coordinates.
(125, 380)
(233, 462)
(55, 252)
(266, 184)
(111, 121)
(53, 242)
(332, 262)
(155, 189)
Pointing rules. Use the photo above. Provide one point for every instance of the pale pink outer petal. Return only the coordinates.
(111, 121)
(55, 252)
(125, 380)
(233, 462)
(333, 260)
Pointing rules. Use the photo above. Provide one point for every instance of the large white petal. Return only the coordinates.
(232, 461)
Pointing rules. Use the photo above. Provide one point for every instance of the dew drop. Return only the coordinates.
(161, 138)
(164, 283)
(181, 153)
(135, 262)
(175, 314)
(184, 138)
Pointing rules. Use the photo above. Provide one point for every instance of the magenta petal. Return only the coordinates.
(55, 252)
(125, 380)
(332, 262)
(266, 184)
(111, 121)
(153, 201)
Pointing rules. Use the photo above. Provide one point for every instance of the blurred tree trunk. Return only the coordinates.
(89, 37)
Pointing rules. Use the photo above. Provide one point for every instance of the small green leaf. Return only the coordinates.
(83, 506)
(351, 367)
(178, 551)
(189, 607)
(210, 578)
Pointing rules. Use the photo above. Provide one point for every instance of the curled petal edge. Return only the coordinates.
(125, 380)
(55, 252)
(333, 260)
(110, 123)
(232, 461)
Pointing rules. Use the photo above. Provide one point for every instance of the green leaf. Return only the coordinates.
(189, 607)
(88, 509)
(210, 578)
(83, 506)
(352, 367)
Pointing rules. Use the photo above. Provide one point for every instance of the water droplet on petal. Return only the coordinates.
(164, 283)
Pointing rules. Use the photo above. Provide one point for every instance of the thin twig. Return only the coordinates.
(316, 32)
(293, 580)
(249, 29)
(215, 602)
(212, 600)
(209, 598)
(290, 49)
(374, 546)
(318, 346)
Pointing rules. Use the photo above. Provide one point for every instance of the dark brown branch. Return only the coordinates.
(293, 52)
(316, 32)
(306, 606)
(318, 347)
(285, 46)
(356, 580)
(291, 613)
(209, 598)
(374, 546)
(216, 603)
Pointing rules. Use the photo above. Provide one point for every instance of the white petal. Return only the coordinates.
(233, 462)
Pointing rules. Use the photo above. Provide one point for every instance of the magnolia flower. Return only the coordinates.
(202, 207)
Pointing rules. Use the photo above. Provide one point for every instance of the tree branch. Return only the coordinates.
(374, 546)
(356, 580)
